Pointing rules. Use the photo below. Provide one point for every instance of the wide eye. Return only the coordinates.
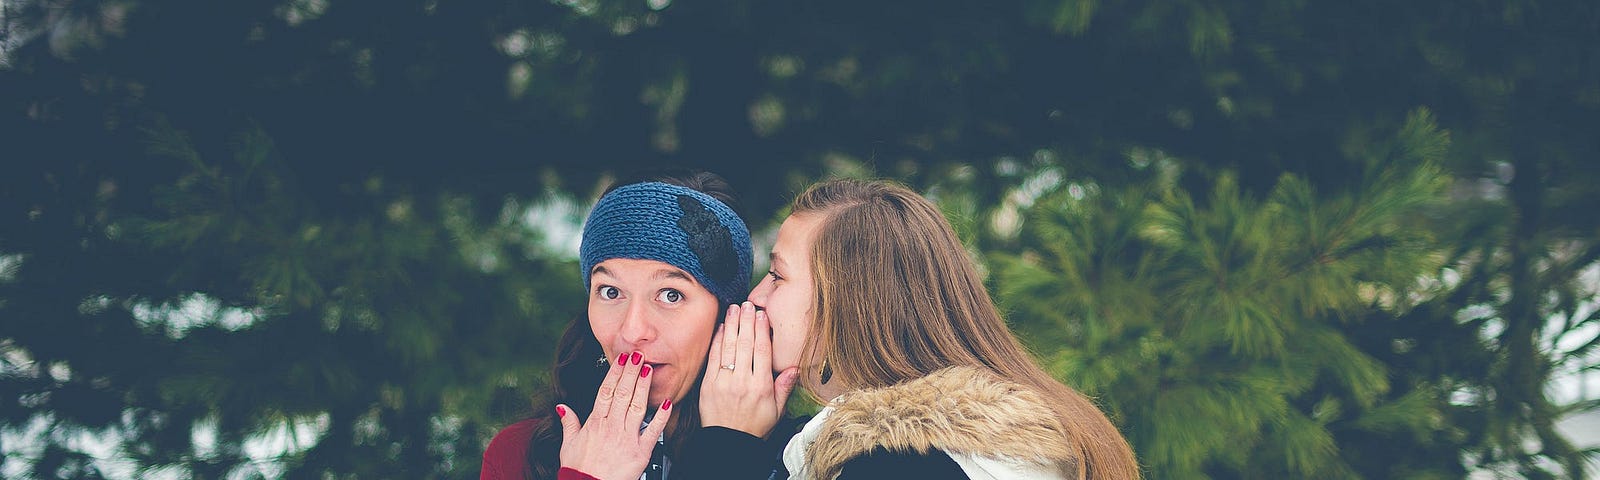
(669, 295)
(608, 292)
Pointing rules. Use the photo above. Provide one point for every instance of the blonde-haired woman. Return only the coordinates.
(874, 301)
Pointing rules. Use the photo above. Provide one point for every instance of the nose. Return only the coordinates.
(636, 325)
(758, 295)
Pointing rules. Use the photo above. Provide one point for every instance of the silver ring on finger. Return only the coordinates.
(729, 367)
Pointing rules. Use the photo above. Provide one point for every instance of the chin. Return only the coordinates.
(662, 390)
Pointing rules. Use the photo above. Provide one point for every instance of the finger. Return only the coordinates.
(569, 422)
(713, 355)
(784, 385)
(730, 337)
(608, 388)
(747, 338)
(653, 431)
(625, 385)
(763, 351)
(638, 404)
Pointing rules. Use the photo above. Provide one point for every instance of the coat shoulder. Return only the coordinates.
(959, 410)
(506, 456)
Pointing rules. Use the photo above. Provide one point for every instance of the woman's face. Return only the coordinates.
(786, 294)
(657, 310)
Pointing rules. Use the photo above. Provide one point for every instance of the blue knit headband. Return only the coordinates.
(675, 225)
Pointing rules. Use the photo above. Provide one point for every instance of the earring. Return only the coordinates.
(602, 362)
(827, 371)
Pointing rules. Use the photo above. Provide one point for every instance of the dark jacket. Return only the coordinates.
(960, 422)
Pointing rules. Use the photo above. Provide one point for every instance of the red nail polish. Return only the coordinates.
(666, 404)
(622, 359)
(644, 372)
(637, 357)
(561, 412)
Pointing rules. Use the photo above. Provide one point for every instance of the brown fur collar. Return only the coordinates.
(959, 410)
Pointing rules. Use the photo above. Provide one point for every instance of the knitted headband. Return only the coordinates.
(675, 225)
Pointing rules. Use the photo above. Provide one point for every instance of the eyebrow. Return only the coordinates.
(776, 260)
(674, 273)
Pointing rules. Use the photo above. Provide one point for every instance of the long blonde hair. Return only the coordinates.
(897, 298)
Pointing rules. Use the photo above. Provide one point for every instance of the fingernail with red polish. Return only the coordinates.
(637, 357)
(644, 372)
(560, 411)
(666, 404)
(622, 359)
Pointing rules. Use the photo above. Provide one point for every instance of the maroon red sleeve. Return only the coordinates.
(506, 456)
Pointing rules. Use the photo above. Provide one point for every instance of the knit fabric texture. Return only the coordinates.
(675, 225)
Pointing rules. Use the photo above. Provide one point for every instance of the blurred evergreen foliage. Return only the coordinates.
(1290, 239)
(1220, 325)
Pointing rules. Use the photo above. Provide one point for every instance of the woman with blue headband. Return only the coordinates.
(661, 260)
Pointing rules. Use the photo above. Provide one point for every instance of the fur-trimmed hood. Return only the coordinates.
(965, 412)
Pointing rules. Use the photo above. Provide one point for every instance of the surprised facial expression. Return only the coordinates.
(658, 310)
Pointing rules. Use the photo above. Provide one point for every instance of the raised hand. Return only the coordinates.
(609, 444)
(739, 390)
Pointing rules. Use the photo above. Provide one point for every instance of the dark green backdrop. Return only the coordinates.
(1291, 239)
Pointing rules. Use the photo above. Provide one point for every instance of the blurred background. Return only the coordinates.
(337, 238)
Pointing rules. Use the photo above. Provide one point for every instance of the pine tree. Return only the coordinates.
(360, 277)
(393, 332)
(1232, 336)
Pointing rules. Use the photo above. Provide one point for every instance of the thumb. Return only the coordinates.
(785, 384)
(569, 421)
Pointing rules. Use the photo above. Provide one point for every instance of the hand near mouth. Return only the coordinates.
(739, 390)
(610, 444)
